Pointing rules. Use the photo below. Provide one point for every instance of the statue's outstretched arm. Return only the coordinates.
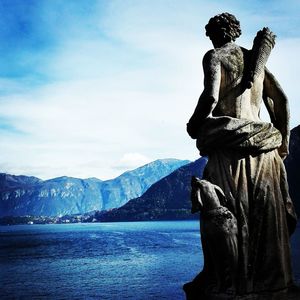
(277, 105)
(209, 97)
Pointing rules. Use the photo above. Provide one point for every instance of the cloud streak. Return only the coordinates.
(114, 84)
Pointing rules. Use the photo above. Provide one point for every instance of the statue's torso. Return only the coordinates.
(235, 101)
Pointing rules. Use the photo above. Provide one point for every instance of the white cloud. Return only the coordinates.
(131, 161)
(119, 101)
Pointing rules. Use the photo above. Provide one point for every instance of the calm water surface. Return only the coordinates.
(140, 260)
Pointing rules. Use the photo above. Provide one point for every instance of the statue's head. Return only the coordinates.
(205, 195)
(223, 28)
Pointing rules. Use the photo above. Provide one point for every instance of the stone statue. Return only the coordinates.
(245, 178)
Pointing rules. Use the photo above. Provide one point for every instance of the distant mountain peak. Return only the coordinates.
(166, 199)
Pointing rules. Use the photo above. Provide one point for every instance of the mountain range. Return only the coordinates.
(169, 198)
(24, 195)
(157, 191)
(166, 199)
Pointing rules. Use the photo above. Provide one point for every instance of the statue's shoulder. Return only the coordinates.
(211, 57)
(227, 50)
(229, 56)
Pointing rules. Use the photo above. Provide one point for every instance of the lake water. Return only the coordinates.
(135, 260)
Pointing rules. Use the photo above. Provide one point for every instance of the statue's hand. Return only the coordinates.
(283, 151)
(192, 130)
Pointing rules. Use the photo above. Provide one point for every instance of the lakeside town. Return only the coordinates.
(91, 217)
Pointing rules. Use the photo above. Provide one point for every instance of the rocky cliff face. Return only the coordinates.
(136, 182)
(22, 195)
(167, 199)
(292, 164)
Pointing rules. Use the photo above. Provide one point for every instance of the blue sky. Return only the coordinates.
(93, 88)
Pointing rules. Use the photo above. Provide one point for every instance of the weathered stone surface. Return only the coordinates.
(245, 161)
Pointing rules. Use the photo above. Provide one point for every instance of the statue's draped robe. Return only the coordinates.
(245, 164)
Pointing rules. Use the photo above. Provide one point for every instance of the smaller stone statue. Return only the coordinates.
(218, 233)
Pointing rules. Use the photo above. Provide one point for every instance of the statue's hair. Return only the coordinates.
(226, 24)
